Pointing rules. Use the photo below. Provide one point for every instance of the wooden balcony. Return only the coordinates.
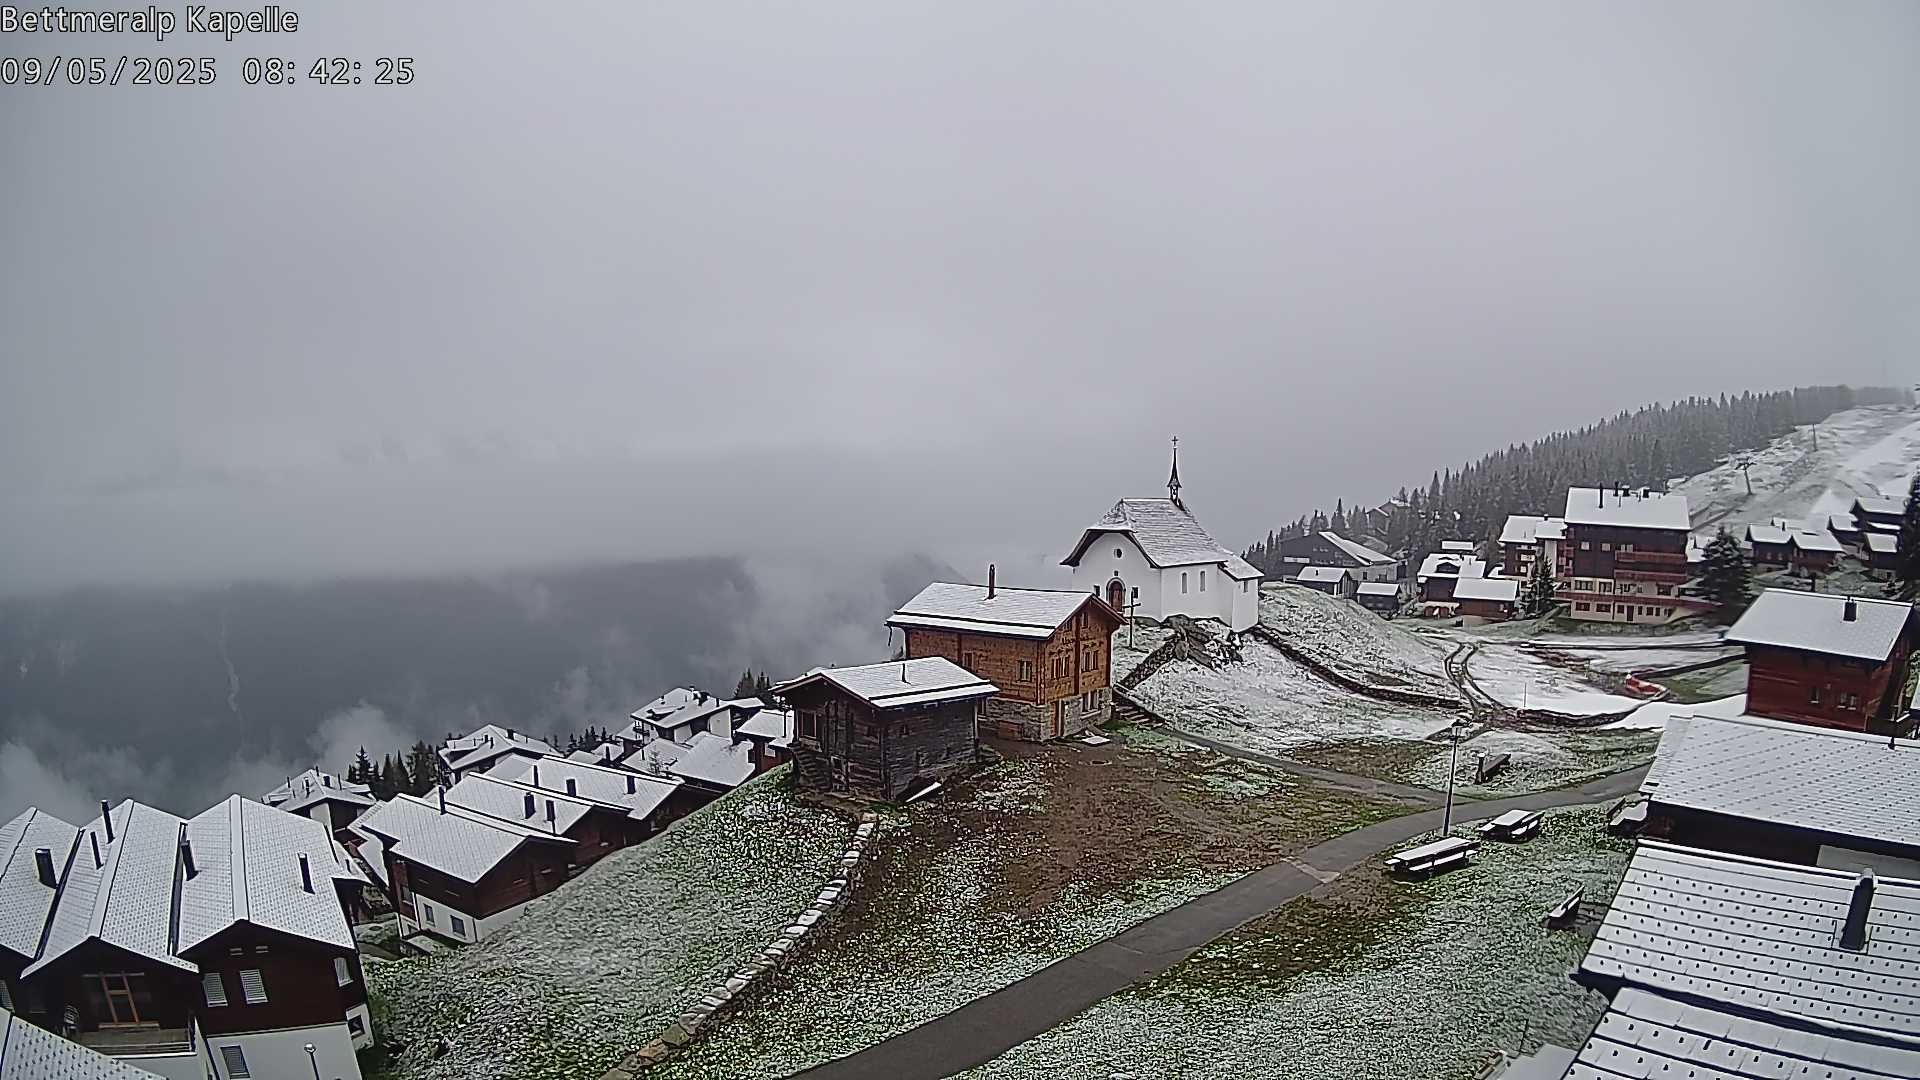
(137, 1040)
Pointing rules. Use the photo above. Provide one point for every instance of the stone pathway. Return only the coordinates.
(987, 1027)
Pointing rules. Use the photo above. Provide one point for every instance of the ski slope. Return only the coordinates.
(1865, 451)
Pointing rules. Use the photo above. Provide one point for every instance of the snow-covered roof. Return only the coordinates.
(1842, 523)
(774, 725)
(1446, 564)
(1882, 543)
(1166, 534)
(31, 1052)
(655, 756)
(1653, 1035)
(716, 760)
(672, 701)
(1022, 613)
(1501, 589)
(901, 683)
(1817, 622)
(312, 793)
(1525, 529)
(127, 899)
(246, 858)
(1365, 555)
(1635, 509)
(1880, 506)
(459, 842)
(1842, 782)
(1767, 534)
(312, 778)
(1322, 573)
(371, 853)
(1378, 588)
(487, 743)
(1461, 547)
(1762, 935)
(519, 804)
(24, 901)
(1240, 569)
(636, 793)
(1818, 540)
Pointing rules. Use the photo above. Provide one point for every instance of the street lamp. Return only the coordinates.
(313, 1061)
(1453, 769)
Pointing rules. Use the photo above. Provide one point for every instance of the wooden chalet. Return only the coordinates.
(884, 730)
(209, 946)
(1525, 538)
(1383, 598)
(1328, 548)
(1332, 580)
(1487, 597)
(1879, 512)
(1834, 661)
(1882, 550)
(1047, 650)
(1815, 551)
(1769, 545)
(1624, 556)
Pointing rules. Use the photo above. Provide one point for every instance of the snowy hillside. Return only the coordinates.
(1866, 451)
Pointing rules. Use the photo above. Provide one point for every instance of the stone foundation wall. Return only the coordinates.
(1034, 723)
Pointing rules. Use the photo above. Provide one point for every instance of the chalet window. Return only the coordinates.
(342, 971)
(1243, 586)
(1604, 546)
(1664, 590)
(1849, 701)
(356, 1027)
(215, 990)
(809, 724)
(260, 950)
(1586, 545)
(426, 912)
(1203, 581)
(1603, 607)
(1183, 583)
(235, 1059)
(1026, 669)
(252, 987)
(1813, 695)
(1626, 547)
(459, 924)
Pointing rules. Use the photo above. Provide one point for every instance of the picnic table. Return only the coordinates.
(1513, 825)
(1434, 857)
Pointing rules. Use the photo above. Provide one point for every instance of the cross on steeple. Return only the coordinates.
(1173, 478)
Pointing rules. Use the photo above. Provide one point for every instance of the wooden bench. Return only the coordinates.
(1429, 859)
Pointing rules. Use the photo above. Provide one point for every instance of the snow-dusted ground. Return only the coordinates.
(1518, 678)
(1354, 641)
(1269, 703)
(1629, 661)
(1867, 451)
(1654, 716)
(1132, 644)
(600, 966)
(1460, 969)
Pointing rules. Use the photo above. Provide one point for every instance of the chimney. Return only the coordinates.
(1853, 932)
(550, 813)
(106, 815)
(43, 858)
(1603, 498)
(990, 581)
(306, 874)
(629, 784)
(536, 774)
(529, 805)
(326, 781)
(186, 855)
(1851, 613)
(443, 798)
(511, 734)
(95, 837)
(572, 788)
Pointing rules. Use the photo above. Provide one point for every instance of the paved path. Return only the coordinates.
(987, 1027)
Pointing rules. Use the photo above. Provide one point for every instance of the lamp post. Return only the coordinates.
(1453, 769)
(313, 1061)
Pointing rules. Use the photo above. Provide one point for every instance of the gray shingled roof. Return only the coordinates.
(1645, 1034)
(899, 683)
(714, 759)
(1817, 622)
(28, 1052)
(127, 899)
(599, 784)
(1360, 553)
(1841, 782)
(1884, 505)
(314, 777)
(1767, 534)
(1762, 935)
(1322, 573)
(459, 842)
(24, 901)
(1526, 528)
(1499, 589)
(487, 743)
(1023, 613)
(507, 801)
(247, 870)
(1166, 534)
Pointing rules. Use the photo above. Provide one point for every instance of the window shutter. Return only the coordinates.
(216, 990)
(235, 1059)
(253, 987)
(342, 973)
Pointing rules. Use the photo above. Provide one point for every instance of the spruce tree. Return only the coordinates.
(762, 685)
(1725, 575)
(402, 781)
(1536, 592)
(362, 765)
(1907, 560)
(744, 688)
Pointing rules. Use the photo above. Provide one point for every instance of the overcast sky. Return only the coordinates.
(630, 279)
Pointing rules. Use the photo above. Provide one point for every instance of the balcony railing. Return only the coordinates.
(1650, 558)
(132, 1041)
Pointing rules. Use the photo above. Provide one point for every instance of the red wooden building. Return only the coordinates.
(1834, 661)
